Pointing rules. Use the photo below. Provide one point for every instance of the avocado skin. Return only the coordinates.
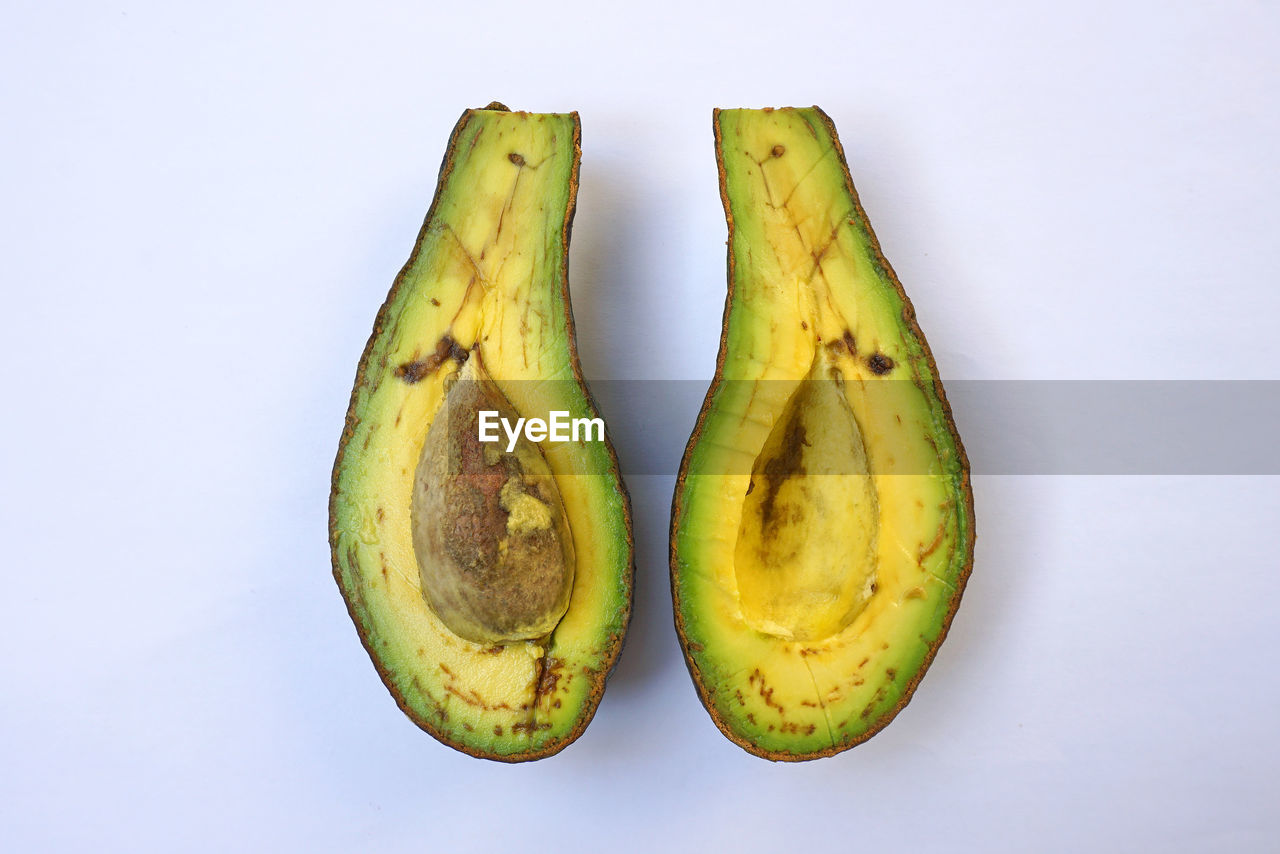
(909, 326)
(613, 643)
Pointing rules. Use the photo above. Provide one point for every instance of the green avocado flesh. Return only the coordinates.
(491, 589)
(822, 526)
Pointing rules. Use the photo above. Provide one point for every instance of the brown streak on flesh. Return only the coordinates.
(818, 255)
(766, 693)
(471, 698)
(549, 677)
(435, 302)
(529, 727)
(937, 541)
(779, 469)
(446, 348)
(353, 559)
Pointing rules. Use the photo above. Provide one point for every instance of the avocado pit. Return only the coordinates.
(490, 534)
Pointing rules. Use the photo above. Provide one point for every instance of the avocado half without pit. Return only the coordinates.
(490, 581)
(822, 524)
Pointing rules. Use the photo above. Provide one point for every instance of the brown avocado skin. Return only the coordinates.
(611, 644)
(909, 323)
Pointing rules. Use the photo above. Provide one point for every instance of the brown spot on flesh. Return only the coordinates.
(891, 673)
(446, 348)
(435, 302)
(778, 151)
(515, 158)
(846, 343)
(880, 364)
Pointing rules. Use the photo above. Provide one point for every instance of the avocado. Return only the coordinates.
(490, 582)
(822, 525)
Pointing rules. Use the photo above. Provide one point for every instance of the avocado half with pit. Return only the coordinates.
(822, 524)
(490, 580)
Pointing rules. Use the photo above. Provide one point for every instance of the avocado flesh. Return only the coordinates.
(807, 635)
(487, 280)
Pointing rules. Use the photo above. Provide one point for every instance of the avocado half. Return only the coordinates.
(422, 554)
(822, 525)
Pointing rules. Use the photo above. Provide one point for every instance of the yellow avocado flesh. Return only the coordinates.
(810, 601)
(487, 276)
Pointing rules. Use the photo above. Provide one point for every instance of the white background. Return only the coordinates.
(203, 205)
